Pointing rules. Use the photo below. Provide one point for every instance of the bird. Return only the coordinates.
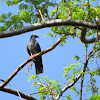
(33, 47)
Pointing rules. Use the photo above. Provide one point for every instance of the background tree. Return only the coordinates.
(72, 21)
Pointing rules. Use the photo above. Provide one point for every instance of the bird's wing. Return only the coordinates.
(38, 49)
(28, 51)
(38, 62)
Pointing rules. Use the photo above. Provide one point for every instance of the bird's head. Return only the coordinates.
(35, 36)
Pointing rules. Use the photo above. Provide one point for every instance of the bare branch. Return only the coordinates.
(81, 87)
(82, 79)
(96, 60)
(19, 94)
(15, 92)
(92, 54)
(56, 22)
(84, 40)
(28, 60)
(40, 13)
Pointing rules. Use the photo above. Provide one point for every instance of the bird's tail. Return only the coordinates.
(38, 65)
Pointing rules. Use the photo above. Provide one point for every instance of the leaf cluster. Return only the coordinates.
(79, 10)
(71, 71)
(46, 87)
(28, 13)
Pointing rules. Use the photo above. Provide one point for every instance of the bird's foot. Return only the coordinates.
(32, 56)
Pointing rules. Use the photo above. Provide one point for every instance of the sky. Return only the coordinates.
(13, 53)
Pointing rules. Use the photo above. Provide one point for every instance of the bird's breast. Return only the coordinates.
(32, 47)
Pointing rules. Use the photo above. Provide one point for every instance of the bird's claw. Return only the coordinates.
(32, 56)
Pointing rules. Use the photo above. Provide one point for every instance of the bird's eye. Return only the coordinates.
(31, 36)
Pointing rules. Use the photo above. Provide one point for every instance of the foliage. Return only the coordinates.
(87, 11)
(72, 68)
(28, 13)
(94, 97)
(46, 86)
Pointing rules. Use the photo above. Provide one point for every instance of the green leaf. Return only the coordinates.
(15, 2)
(54, 81)
(79, 42)
(72, 88)
(25, 15)
(76, 57)
(99, 53)
(45, 78)
(95, 97)
(68, 97)
(32, 77)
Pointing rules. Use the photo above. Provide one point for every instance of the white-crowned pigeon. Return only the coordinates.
(33, 47)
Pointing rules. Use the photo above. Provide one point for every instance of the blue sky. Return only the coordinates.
(13, 53)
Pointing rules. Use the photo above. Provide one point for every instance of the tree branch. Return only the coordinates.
(82, 37)
(71, 84)
(40, 13)
(19, 94)
(77, 78)
(15, 92)
(46, 89)
(68, 10)
(81, 87)
(82, 79)
(84, 40)
(56, 22)
(28, 60)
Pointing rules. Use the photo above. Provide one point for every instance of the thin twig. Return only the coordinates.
(2, 80)
(42, 85)
(40, 13)
(97, 22)
(19, 94)
(92, 53)
(97, 61)
(38, 92)
(46, 89)
(89, 19)
(68, 10)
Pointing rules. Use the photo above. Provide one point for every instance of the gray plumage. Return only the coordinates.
(33, 47)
